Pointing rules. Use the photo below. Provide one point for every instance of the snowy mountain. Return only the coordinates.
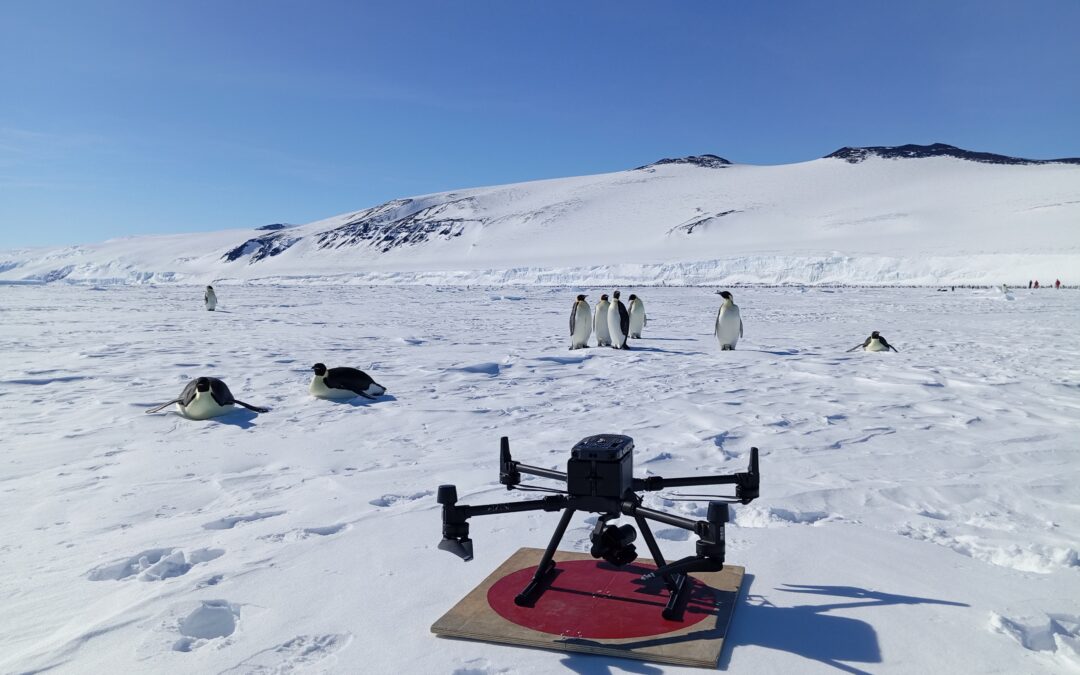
(875, 215)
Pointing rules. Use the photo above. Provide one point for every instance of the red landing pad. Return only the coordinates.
(592, 607)
(593, 599)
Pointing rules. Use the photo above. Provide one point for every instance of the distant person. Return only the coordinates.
(1029, 283)
(1036, 283)
(1057, 283)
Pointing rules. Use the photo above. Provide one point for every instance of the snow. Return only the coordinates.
(926, 221)
(917, 511)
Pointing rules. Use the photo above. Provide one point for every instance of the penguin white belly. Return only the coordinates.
(614, 325)
(211, 302)
(603, 336)
(319, 389)
(876, 346)
(728, 326)
(637, 319)
(582, 327)
(203, 407)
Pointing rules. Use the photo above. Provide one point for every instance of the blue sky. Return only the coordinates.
(121, 118)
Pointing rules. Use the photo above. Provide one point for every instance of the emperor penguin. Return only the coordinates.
(343, 383)
(637, 316)
(875, 343)
(206, 397)
(600, 317)
(618, 320)
(728, 328)
(210, 298)
(580, 323)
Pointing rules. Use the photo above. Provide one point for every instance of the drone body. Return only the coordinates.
(599, 478)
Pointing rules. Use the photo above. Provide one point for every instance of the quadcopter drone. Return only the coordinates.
(599, 478)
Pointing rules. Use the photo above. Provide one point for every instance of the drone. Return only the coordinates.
(599, 478)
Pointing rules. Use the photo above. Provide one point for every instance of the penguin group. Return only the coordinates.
(613, 322)
(206, 397)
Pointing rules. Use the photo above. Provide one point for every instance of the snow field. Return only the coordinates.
(918, 510)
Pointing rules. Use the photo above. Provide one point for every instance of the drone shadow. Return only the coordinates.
(805, 630)
(809, 631)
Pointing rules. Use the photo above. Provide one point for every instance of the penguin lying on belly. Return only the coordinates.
(875, 343)
(339, 383)
(206, 397)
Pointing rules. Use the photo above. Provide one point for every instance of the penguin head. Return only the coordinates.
(319, 369)
(202, 384)
(726, 295)
(876, 335)
(604, 297)
(633, 297)
(581, 297)
(209, 288)
(616, 295)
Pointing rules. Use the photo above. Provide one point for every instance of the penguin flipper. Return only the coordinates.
(740, 326)
(164, 405)
(256, 408)
(860, 346)
(573, 318)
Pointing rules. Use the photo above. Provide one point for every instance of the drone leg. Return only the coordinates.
(654, 550)
(680, 595)
(532, 592)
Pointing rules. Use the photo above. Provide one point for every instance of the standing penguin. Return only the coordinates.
(875, 343)
(637, 316)
(603, 337)
(728, 328)
(618, 320)
(210, 298)
(580, 323)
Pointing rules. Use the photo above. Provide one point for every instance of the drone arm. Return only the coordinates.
(455, 517)
(510, 470)
(747, 484)
(538, 471)
(636, 511)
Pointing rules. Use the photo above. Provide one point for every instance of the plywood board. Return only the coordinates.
(568, 615)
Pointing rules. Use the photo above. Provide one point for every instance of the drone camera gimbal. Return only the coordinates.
(599, 478)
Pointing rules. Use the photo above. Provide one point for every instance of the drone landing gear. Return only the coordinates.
(535, 588)
(678, 584)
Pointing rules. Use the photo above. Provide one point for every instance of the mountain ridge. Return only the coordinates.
(702, 219)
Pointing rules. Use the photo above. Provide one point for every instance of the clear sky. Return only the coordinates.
(121, 118)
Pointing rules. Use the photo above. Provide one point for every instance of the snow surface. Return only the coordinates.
(937, 220)
(918, 510)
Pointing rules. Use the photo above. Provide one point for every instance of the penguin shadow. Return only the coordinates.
(361, 402)
(780, 352)
(241, 418)
(658, 350)
(667, 339)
